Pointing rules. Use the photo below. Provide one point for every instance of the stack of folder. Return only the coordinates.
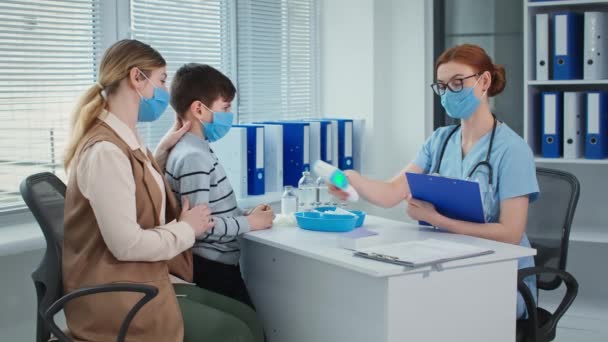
(575, 124)
(571, 45)
(265, 156)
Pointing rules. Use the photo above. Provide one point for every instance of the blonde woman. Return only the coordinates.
(121, 225)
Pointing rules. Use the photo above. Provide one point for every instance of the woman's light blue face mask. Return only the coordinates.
(219, 127)
(150, 109)
(462, 104)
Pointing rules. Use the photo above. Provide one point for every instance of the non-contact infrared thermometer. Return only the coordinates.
(335, 177)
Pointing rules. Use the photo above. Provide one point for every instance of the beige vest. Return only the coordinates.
(87, 260)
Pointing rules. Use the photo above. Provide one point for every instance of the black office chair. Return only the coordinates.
(549, 223)
(44, 194)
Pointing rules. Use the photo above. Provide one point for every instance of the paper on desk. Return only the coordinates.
(358, 238)
(421, 253)
(358, 233)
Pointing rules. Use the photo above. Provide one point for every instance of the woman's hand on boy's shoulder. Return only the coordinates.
(173, 135)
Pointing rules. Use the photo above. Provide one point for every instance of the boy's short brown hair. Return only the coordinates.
(199, 82)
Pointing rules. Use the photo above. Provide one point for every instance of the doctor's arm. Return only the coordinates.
(509, 228)
(385, 194)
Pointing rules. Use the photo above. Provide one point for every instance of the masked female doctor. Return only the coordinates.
(480, 148)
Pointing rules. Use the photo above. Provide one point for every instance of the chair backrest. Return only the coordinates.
(44, 194)
(550, 219)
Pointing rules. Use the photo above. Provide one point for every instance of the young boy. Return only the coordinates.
(203, 95)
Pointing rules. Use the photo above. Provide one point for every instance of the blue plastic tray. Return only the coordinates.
(359, 213)
(325, 223)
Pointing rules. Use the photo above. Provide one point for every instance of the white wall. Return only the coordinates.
(347, 58)
(374, 66)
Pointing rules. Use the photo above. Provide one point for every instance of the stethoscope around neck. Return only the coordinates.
(485, 162)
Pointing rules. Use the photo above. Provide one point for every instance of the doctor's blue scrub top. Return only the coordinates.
(514, 175)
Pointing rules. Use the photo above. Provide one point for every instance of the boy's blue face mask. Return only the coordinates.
(219, 127)
(462, 104)
(151, 109)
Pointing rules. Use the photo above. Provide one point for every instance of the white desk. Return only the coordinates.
(306, 289)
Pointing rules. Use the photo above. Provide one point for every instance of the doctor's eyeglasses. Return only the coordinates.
(455, 85)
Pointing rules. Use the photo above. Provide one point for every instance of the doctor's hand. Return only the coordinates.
(339, 193)
(173, 135)
(421, 210)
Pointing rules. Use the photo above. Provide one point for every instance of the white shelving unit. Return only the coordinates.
(589, 235)
(589, 172)
(552, 83)
(571, 161)
(560, 4)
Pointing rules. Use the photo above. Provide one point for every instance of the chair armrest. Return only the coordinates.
(571, 292)
(149, 293)
(532, 321)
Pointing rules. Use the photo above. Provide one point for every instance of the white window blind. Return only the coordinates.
(183, 32)
(278, 64)
(47, 60)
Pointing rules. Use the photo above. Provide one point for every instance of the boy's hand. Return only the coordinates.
(261, 217)
(259, 207)
(199, 217)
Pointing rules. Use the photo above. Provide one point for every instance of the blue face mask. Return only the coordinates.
(460, 105)
(222, 122)
(151, 109)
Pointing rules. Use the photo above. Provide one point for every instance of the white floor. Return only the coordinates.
(584, 322)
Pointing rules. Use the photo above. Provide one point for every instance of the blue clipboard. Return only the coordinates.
(454, 198)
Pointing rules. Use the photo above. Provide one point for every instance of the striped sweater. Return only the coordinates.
(194, 171)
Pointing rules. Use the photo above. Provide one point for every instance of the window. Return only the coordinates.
(47, 59)
(278, 61)
(49, 50)
(183, 32)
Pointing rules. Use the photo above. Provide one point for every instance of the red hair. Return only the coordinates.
(477, 58)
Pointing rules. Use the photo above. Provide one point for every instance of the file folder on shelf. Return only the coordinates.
(568, 46)
(328, 139)
(543, 65)
(596, 139)
(596, 46)
(231, 151)
(315, 139)
(574, 125)
(358, 136)
(552, 121)
(345, 143)
(296, 150)
(273, 158)
(255, 158)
